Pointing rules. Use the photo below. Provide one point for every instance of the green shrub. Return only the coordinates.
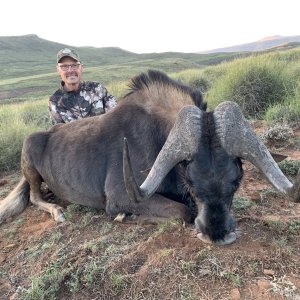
(200, 83)
(254, 83)
(203, 79)
(241, 203)
(278, 134)
(286, 112)
(289, 167)
(18, 120)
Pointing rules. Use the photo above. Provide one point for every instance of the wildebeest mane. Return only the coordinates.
(145, 80)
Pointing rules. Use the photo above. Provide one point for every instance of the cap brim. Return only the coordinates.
(67, 55)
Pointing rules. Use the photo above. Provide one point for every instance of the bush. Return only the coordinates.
(287, 112)
(254, 83)
(201, 84)
(289, 167)
(278, 134)
(201, 79)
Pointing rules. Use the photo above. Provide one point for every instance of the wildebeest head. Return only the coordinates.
(213, 177)
(210, 145)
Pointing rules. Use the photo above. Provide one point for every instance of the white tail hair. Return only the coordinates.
(16, 201)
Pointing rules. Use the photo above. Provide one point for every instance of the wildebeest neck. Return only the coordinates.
(161, 94)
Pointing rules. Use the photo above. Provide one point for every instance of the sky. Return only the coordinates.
(151, 26)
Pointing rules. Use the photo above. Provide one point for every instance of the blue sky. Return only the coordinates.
(153, 25)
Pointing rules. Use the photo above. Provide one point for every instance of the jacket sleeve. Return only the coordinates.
(109, 101)
(53, 112)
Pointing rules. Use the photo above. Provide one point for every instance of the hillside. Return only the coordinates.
(263, 44)
(28, 64)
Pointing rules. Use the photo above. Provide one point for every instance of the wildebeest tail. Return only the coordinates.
(16, 201)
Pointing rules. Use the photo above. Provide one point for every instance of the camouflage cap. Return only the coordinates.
(67, 52)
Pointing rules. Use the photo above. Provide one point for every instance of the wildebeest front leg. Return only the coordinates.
(159, 209)
(34, 179)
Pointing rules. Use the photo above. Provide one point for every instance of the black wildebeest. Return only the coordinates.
(191, 154)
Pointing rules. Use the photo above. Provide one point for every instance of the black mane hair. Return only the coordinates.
(144, 80)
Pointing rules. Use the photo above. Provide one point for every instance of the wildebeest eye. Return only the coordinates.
(185, 163)
(189, 182)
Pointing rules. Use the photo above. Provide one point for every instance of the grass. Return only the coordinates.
(290, 167)
(254, 266)
(118, 281)
(35, 66)
(74, 212)
(4, 192)
(264, 84)
(95, 245)
(92, 270)
(16, 122)
(276, 226)
(294, 227)
(255, 83)
(268, 193)
(168, 225)
(285, 112)
(235, 278)
(241, 203)
(102, 265)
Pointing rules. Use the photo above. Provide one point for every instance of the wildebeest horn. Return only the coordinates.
(180, 145)
(239, 139)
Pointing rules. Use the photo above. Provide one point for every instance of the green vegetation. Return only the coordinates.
(31, 72)
(241, 203)
(17, 120)
(97, 254)
(287, 111)
(280, 133)
(289, 167)
(256, 83)
(265, 84)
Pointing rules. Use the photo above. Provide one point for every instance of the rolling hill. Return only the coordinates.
(28, 62)
(263, 44)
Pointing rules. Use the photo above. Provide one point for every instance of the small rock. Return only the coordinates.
(3, 182)
(235, 294)
(2, 258)
(269, 272)
(264, 284)
(13, 296)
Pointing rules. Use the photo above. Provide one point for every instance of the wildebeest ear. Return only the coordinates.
(278, 157)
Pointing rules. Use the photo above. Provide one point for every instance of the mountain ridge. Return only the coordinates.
(260, 45)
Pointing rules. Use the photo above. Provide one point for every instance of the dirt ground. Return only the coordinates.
(94, 257)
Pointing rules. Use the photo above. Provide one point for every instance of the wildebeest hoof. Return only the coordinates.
(228, 239)
(120, 217)
(58, 215)
(60, 218)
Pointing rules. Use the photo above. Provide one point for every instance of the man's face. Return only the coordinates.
(70, 72)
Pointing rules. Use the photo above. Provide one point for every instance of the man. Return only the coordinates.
(76, 99)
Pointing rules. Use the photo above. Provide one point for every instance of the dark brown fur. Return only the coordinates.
(81, 161)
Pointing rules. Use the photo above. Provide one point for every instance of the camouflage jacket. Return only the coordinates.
(90, 99)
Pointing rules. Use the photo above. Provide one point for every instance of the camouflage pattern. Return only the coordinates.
(90, 99)
(67, 52)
